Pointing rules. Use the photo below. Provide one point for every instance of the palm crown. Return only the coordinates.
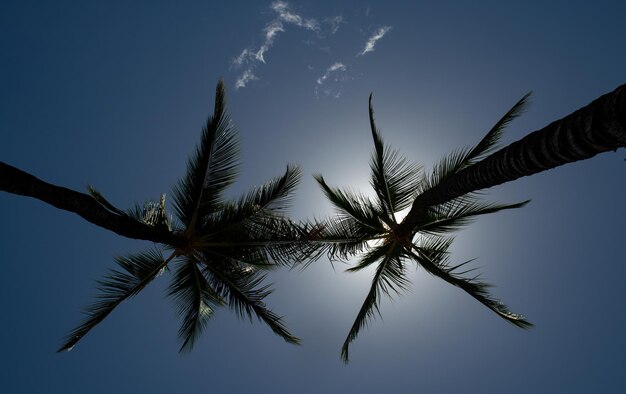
(370, 226)
(228, 244)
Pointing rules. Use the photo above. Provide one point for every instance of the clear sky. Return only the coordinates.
(114, 94)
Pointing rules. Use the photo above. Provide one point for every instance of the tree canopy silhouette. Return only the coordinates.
(446, 201)
(217, 250)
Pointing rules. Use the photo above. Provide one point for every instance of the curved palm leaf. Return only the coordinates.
(394, 180)
(341, 238)
(434, 260)
(211, 169)
(390, 276)
(445, 167)
(489, 142)
(352, 205)
(135, 273)
(452, 216)
(372, 256)
(462, 158)
(275, 195)
(271, 198)
(196, 301)
(243, 289)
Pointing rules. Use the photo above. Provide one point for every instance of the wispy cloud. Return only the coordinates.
(286, 15)
(334, 23)
(253, 57)
(270, 31)
(369, 45)
(242, 58)
(335, 69)
(244, 78)
(283, 16)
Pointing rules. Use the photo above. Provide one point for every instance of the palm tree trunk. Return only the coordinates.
(596, 128)
(16, 181)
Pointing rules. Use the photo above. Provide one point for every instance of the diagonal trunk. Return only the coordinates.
(13, 180)
(596, 128)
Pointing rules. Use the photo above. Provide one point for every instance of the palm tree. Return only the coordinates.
(217, 250)
(446, 200)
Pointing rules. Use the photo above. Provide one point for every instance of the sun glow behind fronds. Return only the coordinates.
(372, 228)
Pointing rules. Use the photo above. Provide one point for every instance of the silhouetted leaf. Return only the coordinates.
(389, 276)
(195, 299)
(244, 290)
(452, 216)
(352, 205)
(394, 179)
(434, 260)
(135, 273)
(211, 169)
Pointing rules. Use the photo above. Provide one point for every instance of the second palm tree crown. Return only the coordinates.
(370, 227)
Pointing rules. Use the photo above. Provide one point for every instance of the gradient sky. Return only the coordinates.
(114, 94)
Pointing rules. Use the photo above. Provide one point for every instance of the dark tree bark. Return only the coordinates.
(16, 181)
(596, 128)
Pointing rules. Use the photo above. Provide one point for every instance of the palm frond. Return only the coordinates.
(436, 246)
(444, 168)
(211, 169)
(272, 198)
(352, 205)
(285, 242)
(151, 213)
(250, 259)
(390, 276)
(227, 218)
(135, 272)
(245, 292)
(452, 216)
(394, 179)
(341, 237)
(489, 142)
(434, 260)
(275, 195)
(195, 300)
(263, 240)
(463, 158)
(371, 256)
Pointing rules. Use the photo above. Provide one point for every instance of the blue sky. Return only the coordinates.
(114, 94)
